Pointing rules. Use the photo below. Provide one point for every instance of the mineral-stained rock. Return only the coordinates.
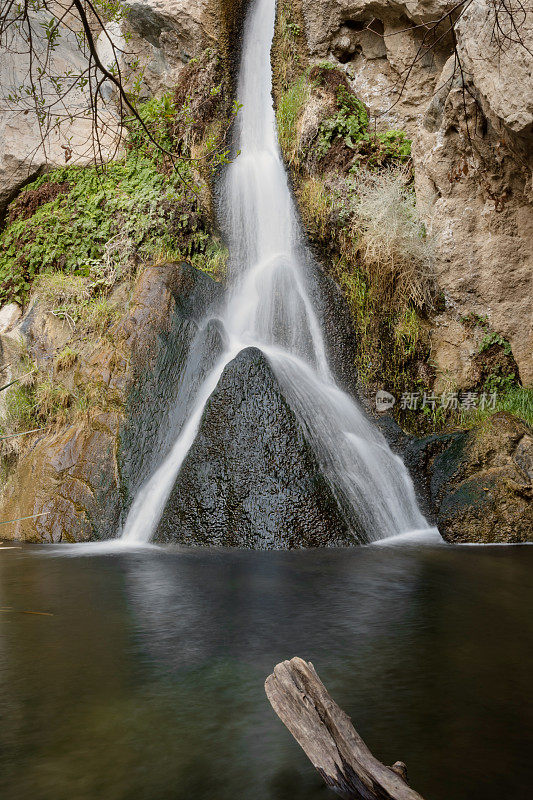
(250, 478)
(70, 479)
(159, 331)
(81, 477)
(480, 481)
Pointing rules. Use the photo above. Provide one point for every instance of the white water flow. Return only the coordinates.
(269, 306)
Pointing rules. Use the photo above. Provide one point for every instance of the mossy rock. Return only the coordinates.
(481, 481)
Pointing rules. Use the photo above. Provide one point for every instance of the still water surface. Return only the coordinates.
(146, 683)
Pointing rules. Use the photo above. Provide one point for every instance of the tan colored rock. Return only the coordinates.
(476, 205)
(166, 35)
(497, 64)
(25, 152)
(71, 480)
(475, 197)
(453, 349)
(377, 47)
(70, 473)
(9, 316)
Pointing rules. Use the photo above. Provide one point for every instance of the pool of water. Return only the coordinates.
(142, 674)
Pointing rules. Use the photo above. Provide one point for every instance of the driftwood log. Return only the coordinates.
(328, 738)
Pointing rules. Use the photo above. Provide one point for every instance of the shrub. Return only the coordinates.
(396, 145)
(392, 240)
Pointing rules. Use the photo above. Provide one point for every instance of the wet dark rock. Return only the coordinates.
(480, 482)
(168, 319)
(339, 332)
(250, 478)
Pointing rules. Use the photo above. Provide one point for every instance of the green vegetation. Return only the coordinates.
(378, 252)
(290, 49)
(50, 400)
(490, 338)
(76, 239)
(515, 400)
(396, 144)
(77, 220)
(289, 110)
(129, 203)
(350, 123)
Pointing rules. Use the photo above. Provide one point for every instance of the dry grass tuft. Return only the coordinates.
(391, 240)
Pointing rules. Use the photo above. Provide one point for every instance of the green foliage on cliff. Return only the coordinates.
(126, 209)
(72, 231)
(376, 248)
(290, 107)
(75, 218)
(396, 144)
(516, 400)
(350, 123)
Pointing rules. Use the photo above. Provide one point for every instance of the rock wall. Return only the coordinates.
(157, 37)
(27, 149)
(80, 477)
(472, 152)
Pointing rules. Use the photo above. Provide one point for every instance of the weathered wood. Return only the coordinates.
(328, 738)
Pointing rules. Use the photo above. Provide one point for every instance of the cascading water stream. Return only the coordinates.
(269, 307)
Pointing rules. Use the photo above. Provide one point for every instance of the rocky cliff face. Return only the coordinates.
(155, 41)
(79, 477)
(480, 481)
(103, 392)
(472, 151)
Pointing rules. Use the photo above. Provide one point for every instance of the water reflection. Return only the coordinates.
(147, 681)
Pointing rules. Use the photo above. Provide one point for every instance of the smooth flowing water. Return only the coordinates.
(146, 682)
(269, 306)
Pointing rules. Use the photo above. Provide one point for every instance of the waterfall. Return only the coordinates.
(269, 307)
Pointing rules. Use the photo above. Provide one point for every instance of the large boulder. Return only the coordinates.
(480, 481)
(251, 478)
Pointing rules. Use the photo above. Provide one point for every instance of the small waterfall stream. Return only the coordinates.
(269, 307)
